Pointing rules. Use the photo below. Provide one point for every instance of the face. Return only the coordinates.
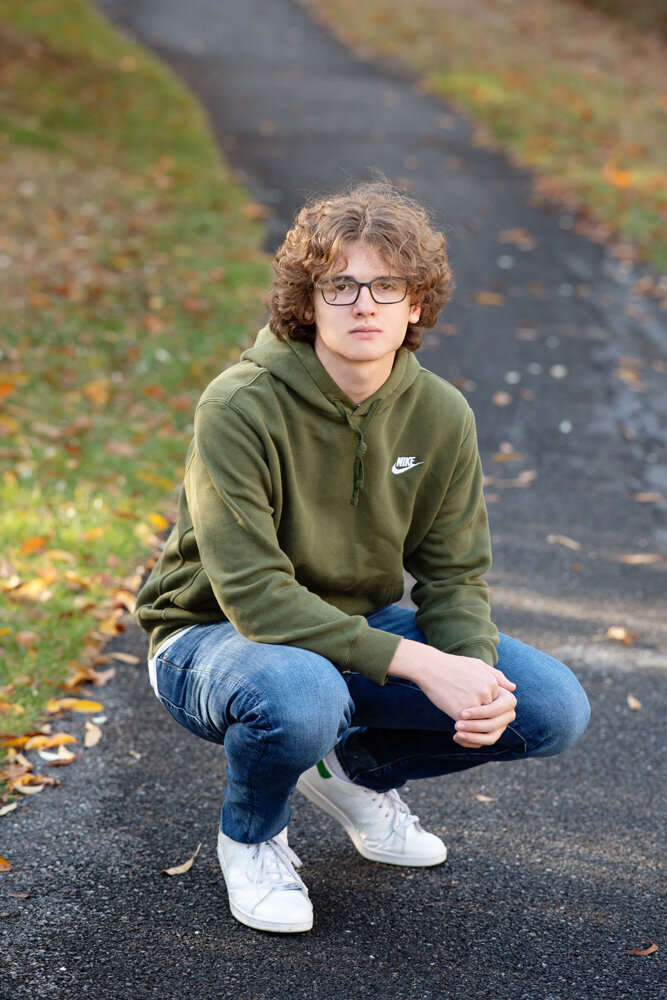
(365, 334)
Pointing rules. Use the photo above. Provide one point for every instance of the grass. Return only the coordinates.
(130, 271)
(576, 96)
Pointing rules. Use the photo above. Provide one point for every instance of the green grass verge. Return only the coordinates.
(130, 271)
(574, 95)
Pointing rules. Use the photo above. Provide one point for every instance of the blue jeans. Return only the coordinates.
(279, 709)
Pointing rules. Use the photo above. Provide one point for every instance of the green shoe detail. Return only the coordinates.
(322, 769)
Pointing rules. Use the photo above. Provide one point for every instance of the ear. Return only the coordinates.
(308, 314)
(415, 312)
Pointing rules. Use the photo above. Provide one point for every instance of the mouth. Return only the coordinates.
(365, 329)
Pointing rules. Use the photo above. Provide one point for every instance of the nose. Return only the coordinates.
(365, 302)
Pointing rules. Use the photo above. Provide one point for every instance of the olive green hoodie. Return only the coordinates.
(300, 509)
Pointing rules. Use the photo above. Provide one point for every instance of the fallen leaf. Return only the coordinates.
(181, 869)
(501, 398)
(489, 298)
(34, 544)
(18, 895)
(93, 735)
(11, 708)
(485, 798)
(73, 705)
(10, 807)
(644, 951)
(42, 742)
(5, 865)
(648, 497)
(633, 703)
(61, 756)
(619, 633)
(569, 543)
(125, 657)
(641, 558)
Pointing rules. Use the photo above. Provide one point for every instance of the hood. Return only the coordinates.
(296, 364)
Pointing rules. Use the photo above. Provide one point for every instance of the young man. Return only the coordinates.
(323, 464)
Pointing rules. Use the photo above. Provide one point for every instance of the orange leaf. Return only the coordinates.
(34, 544)
(5, 865)
(644, 951)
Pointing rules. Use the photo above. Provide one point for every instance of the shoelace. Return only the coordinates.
(401, 817)
(274, 862)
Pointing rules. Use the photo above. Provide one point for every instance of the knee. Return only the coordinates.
(566, 721)
(305, 710)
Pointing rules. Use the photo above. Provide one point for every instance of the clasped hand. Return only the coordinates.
(478, 697)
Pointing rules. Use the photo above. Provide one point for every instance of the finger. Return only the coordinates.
(485, 725)
(472, 741)
(504, 682)
(506, 702)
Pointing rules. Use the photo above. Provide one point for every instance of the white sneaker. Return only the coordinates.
(264, 890)
(380, 825)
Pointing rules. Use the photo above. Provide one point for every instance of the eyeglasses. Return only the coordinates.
(345, 291)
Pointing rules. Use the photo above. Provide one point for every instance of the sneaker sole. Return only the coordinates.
(250, 920)
(384, 857)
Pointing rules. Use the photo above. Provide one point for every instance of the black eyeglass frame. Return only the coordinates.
(369, 286)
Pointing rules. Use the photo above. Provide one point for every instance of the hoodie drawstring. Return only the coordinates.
(360, 450)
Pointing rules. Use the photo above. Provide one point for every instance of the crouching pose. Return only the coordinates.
(323, 464)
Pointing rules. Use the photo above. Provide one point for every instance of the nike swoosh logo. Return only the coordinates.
(404, 468)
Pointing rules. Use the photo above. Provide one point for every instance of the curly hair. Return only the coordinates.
(376, 214)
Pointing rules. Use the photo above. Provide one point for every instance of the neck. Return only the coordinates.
(357, 380)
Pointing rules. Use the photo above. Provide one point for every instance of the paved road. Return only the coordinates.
(554, 880)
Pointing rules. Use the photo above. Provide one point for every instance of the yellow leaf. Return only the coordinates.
(46, 742)
(5, 865)
(11, 708)
(159, 522)
(60, 704)
(633, 703)
(85, 706)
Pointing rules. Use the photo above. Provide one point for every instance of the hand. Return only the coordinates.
(484, 725)
(459, 684)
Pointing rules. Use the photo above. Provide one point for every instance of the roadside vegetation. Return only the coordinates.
(130, 272)
(577, 96)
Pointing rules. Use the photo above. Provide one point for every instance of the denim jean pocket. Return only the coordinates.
(180, 692)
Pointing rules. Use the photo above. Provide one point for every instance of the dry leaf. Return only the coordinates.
(507, 456)
(10, 807)
(569, 543)
(125, 657)
(181, 869)
(644, 951)
(5, 865)
(641, 558)
(93, 735)
(621, 634)
(648, 497)
(489, 298)
(485, 798)
(61, 756)
(73, 705)
(42, 742)
(501, 398)
(633, 703)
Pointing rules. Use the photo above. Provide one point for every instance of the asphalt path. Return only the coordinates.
(554, 872)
